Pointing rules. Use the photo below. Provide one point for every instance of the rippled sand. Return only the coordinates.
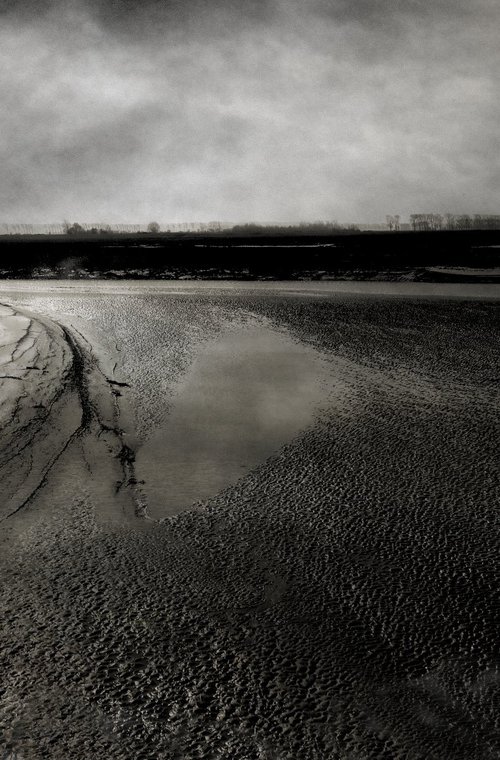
(340, 600)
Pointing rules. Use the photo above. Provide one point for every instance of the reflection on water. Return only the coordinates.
(246, 395)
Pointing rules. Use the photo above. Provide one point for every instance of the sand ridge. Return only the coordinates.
(37, 408)
(55, 390)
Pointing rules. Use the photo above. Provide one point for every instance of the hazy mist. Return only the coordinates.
(127, 111)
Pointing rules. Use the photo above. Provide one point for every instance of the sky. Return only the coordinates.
(129, 111)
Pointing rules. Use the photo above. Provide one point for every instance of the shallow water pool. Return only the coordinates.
(247, 393)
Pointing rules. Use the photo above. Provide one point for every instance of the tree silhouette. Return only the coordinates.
(72, 229)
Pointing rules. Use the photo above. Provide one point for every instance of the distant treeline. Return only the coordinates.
(246, 254)
(418, 223)
(306, 228)
(100, 228)
(429, 222)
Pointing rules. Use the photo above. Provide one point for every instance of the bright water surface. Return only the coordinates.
(309, 288)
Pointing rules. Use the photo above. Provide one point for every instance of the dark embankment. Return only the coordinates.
(343, 255)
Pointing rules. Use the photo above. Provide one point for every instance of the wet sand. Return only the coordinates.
(338, 600)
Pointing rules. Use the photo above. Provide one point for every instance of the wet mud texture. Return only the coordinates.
(339, 602)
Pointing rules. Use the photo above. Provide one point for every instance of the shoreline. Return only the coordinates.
(424, 275)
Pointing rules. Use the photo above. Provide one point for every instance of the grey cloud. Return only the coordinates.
(128, 111)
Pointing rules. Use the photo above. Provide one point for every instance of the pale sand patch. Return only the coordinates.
(37, 408)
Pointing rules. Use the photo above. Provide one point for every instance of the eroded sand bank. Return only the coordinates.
(55, 392)
(338, 601)
(38, 405)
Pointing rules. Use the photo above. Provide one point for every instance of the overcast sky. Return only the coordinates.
(128, 111)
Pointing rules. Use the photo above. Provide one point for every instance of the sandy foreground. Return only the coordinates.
(336, 597)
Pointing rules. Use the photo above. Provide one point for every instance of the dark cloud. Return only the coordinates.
(272, 109)
(382, 12)
(146, 19)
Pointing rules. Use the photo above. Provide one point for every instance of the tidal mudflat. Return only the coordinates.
(249, 521)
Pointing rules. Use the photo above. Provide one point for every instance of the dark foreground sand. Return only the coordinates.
(340, 601)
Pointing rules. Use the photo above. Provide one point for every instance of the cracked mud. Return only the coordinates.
(337, 599)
